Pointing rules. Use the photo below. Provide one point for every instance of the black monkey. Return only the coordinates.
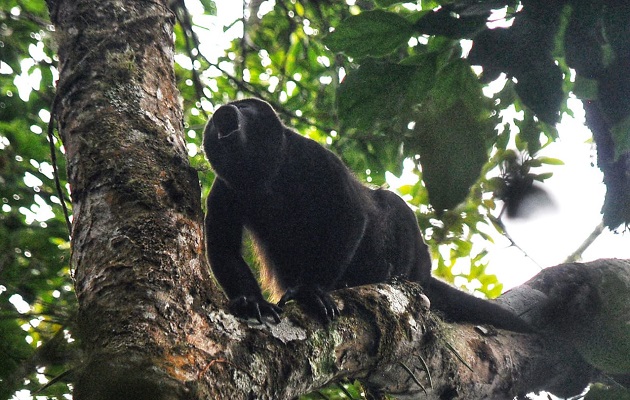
(317, 228)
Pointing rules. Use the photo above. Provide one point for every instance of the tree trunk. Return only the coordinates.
(137, 236)
(152, 321)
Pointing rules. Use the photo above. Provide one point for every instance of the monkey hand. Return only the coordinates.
(254, 306)
(314, 300)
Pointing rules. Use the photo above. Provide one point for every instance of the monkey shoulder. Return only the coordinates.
(311, 166)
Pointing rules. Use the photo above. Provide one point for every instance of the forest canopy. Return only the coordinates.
(381, 83)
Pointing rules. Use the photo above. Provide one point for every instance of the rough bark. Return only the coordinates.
(152, 321)
(137, 238)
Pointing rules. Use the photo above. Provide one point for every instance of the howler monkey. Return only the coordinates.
(316, 227)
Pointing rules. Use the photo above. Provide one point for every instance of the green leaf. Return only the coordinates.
(295, 53)
(503, 138)
(452, 153)
(585, 89)
(449, 135)
(371, 33)
(209, 7)
(445, 21)
(456, 82)
(550, 161)
(541, 177)
(361, 102)
(621, 137)
(529, 133)
(540, 89)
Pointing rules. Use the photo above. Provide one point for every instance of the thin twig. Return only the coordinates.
(426, 369)
(459, 357)
(413, 377)
(53, 159)
(577, 254)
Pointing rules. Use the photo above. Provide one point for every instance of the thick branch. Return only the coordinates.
(587, 306)
(386, 339)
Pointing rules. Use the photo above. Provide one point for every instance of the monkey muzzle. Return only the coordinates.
(228, 121)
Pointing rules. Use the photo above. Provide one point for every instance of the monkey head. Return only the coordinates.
(243, 142)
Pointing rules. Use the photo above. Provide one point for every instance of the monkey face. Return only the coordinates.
(243, 140)
(229, 123)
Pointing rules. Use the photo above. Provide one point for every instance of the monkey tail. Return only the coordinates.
(459, 306)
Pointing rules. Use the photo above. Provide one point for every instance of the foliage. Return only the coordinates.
(36, 298)
(391, 90)
(345, 390)
(534, 48)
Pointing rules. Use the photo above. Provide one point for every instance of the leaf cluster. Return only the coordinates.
(409, 52)
(36, 295)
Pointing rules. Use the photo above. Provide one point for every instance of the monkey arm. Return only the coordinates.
(224, 235)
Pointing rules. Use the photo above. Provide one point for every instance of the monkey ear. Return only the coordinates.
(226, 120)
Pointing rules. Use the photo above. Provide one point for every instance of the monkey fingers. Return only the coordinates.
(314, 300)
(254, 307)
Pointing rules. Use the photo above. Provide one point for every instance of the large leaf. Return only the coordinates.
(621, 137)
(541, 90)
(450, 134)
(615, 19)
(582, 48)
(452, 153)
(371, 33)
(453, 21)
(377, 91)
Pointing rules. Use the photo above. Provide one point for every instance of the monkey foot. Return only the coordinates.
(314, 300)
(254, 307)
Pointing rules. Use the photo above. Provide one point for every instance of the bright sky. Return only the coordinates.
(578, 192)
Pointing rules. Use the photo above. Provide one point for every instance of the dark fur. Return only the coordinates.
(317, 227)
